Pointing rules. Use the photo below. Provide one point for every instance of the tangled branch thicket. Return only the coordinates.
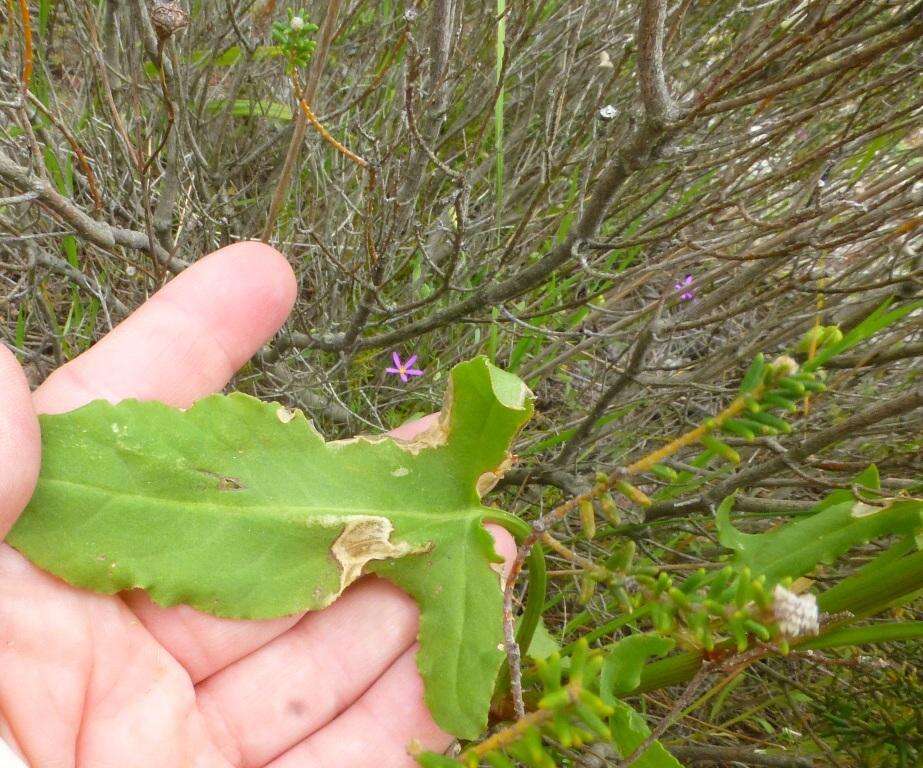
(622, 202)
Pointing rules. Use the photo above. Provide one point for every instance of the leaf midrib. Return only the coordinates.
(268, 508)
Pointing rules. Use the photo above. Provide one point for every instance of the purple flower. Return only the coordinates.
(684, 288)
(404, 369)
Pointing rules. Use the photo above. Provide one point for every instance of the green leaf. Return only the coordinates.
(239, 508)
(876, 321)
(720, 449)
(837, 524)
(873, 633)
(869, 478)
(432, 760)
(272, 110)
(621, 672)
(739, 428)
(894, 577)
(755, 374)
(628, 733)
(543, 644)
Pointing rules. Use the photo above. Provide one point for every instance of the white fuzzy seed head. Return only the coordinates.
(608, 112)
(297, 23)
(787, 365)
(796, 615)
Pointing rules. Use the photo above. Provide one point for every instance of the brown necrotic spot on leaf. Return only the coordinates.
(230, 484)
(489, 479)
(364, 539)
(284, 415)
(223, 482)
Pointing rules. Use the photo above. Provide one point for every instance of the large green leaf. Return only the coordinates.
(239, 508)
(837, 524)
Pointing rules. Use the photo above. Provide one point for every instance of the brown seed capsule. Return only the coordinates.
(168, 18)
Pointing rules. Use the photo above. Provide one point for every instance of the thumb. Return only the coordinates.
(20, 444)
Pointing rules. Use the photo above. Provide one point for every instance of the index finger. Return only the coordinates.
(188, 339)
(19, 441)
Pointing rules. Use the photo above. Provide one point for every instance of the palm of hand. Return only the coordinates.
(92, 680)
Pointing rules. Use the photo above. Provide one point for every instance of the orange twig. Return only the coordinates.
(645, 463)
(328, 137)
(27, 44)
(75, 146)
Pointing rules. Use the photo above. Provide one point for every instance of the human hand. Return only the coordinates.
(93, 680)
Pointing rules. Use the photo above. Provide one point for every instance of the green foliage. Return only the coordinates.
(874, 633)
(294, 39)
(729, 609)
(629, 731)
(621, 672)
(573, 709)
(543, 644)
(271, 110)
(239, 508)
(499, 104)
(768, 391)
(818, 337)
(881, 318)
(838, 523)
(763, 203)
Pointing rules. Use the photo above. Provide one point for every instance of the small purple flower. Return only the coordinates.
(404, 369)
(684, 288)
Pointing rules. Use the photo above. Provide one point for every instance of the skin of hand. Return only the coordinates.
(93, 681)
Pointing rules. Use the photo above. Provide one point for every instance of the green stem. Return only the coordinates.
(535, 598)
(862, 594)
(498, 107)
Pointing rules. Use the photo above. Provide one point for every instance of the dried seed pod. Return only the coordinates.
(168, 19)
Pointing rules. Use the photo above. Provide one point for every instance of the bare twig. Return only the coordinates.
(325, 36)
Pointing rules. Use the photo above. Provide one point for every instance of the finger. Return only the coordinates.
(204, 644)
(82, 683)
(188, 339)
(185, 342)
(411, 429)
(266, 703)
(20, 446)
(505, 545)
(377, 729)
